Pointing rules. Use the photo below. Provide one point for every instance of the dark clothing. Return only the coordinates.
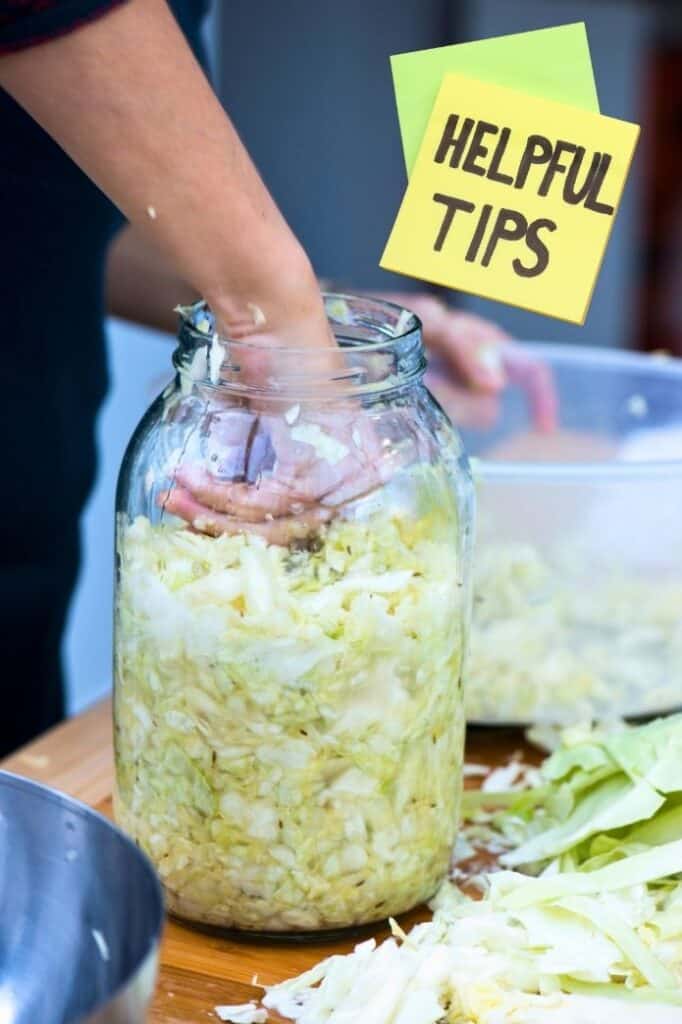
(25, 23)
(55, 227)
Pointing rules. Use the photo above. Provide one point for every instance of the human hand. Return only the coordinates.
(283, 478)
(472, 360)
(279, 476)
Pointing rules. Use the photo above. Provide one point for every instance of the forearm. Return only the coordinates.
(126, 99)
(141, 285)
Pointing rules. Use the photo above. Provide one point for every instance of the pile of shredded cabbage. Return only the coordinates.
(289, 723)
(554, 643)
(591, 933)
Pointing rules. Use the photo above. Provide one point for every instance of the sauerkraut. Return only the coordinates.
(289, 722)
(561, 642)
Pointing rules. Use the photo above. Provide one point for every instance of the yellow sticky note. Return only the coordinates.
(512, 197)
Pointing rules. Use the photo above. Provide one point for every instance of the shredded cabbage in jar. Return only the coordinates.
(289, 723)
(559, 643)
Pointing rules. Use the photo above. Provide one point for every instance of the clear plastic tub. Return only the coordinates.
(578, 569)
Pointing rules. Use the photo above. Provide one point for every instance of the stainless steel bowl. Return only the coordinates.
(81, 913)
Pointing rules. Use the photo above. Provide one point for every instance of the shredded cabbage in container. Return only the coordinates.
(289, 723)
(559, 643)
(591, 934)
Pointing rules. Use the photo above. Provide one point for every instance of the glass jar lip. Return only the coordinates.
(381, 342)
(407, 324)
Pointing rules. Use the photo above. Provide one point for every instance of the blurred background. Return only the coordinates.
(309, 88)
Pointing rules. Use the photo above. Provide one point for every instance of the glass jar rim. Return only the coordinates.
(381, 340)
(407, 322)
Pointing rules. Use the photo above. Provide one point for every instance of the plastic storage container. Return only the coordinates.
(291, 615)
(578, 563)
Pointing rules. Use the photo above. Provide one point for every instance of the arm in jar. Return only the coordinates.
(126, 99)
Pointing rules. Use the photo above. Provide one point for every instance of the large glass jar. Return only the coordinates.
(293, 535)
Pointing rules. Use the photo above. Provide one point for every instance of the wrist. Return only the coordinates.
(280, 298)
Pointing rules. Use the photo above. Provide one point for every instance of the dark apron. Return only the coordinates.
(55, 227)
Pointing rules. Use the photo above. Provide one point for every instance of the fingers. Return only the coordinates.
(304, 470)
(352, 487)
(483, 357)
(282, 504)
(480, 411)
(469, 345)
(472, 347)
(535, 377)
(466, 408)
(179, 502)
(249, 502)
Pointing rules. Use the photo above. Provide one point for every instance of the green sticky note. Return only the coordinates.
(553, 63)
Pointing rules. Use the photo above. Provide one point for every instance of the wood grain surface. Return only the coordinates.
(199, 970)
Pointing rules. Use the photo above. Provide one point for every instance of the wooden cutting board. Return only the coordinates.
(199, 970)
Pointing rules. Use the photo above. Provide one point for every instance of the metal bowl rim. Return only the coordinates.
(82, 809)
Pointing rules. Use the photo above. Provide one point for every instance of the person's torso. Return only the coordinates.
(55, 227)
